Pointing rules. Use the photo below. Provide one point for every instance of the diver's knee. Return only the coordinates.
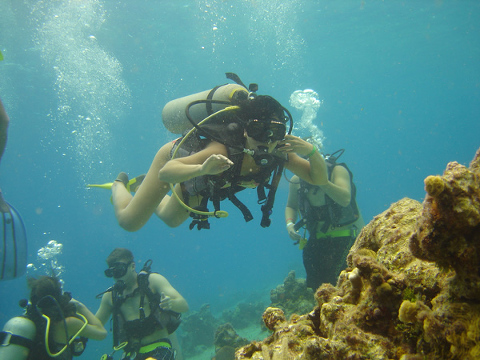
(173, 222)
(129, 226)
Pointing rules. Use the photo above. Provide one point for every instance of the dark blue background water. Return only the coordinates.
(84, 83)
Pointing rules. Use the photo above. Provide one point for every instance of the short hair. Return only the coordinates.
(119, 254)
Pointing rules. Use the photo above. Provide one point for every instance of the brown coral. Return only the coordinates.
(412, 288)
(273, 317)
(448, 231)
(434, 185)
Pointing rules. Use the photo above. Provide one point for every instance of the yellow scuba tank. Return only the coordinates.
(174, 113)
(17, 334)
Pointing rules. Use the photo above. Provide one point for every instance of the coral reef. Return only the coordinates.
(292, 296)
(226, 341)
(411, 289)
(243, 314)
(197, 330)
(448, 230)
(201, 330)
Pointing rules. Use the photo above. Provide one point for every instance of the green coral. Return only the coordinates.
(409, 294)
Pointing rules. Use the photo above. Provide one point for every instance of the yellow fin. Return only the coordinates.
(101, 186)
(302, 243)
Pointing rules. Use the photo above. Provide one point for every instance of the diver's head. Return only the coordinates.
(120, 262)
(44, 286)
(47, 294)
(119, 254)
(265, 119)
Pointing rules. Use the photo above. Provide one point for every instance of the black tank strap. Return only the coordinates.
(7, 338)
(208, 104)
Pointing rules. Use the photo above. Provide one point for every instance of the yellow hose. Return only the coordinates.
(47, 331)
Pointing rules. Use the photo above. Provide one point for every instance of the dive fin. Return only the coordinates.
(135, 183)
(1, 56)
(13, 254)
(101, 186)
(132, 184)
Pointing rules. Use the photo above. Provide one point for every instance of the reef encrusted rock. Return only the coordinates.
(411, 289)
(292, 296)
(448, 230)
(226, 341)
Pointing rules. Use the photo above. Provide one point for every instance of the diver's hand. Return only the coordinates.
(165, 302)
(78, 305)
(216, 164)
(295, 144)
(294, 235)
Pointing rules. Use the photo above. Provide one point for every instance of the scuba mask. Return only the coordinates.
(266, 131)
(117, 270)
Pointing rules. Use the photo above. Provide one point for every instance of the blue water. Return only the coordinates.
(84, 83)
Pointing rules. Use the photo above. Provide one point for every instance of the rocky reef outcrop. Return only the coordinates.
(292, 296)
(226, 341)
(411, 289)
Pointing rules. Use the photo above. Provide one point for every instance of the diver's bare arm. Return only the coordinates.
(291, 209)
(338, 189)
(313, 170)
(171, 298)
(210, 161)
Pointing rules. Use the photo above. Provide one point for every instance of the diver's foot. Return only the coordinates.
(122, 177)
(136, 182)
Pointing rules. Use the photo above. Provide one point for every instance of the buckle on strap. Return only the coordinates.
(5, 337)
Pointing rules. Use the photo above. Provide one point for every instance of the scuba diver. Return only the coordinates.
(53, 326)
(145, 310)
(13, 253)
(330, 214)
(237, 140)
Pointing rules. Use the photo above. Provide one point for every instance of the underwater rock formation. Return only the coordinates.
(201, 330)
(197, 330)
(411, 289)
(292, 296)
(243, 314)
(226, 341)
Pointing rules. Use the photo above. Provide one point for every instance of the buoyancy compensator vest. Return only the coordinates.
(217, 188)
(331, 214)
